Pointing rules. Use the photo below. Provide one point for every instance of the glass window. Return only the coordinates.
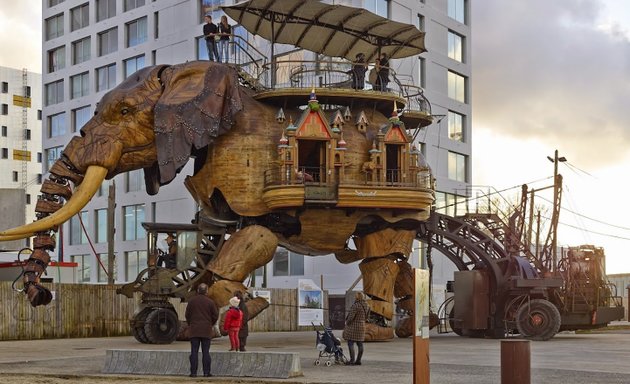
(456, 166)
(101, 272)
(380, 7)
(105, 9)
(52, 3)
(455, 126)
(422, 72)
(296, 264)
(57, 59)
(80, 85)
(101, 225)
(421, 22)
(5, 87)
(133, 64)
(54, 92)
(39, 157)
(57, 125)
(52, 154)
(456, 10)
(79, 17)
(54, 26)
(80, 116)
(133, 4)
(136, 32)
(134, 181)
(5, 131)
(15, 176)
(134, 216)
(77, 235)
(455, 47)
(81, 50)
(456, 86)
(83, 268)
(5, 109)
(105, 77)
(287, 263)
(5, 153)
(103, 190)
(135, 261)
(108, 41)
(27, 134)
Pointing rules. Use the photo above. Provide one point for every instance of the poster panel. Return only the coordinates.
(310, 303)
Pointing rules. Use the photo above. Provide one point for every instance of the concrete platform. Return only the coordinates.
(264, 364)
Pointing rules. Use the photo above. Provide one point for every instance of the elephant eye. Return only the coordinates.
(124, 111)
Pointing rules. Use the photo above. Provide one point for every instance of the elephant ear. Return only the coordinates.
(199, 103)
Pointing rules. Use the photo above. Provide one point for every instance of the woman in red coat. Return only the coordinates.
(232, 323)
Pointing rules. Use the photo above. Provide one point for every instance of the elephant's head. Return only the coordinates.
(155, 119)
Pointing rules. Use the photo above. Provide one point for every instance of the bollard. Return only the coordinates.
(515, 362)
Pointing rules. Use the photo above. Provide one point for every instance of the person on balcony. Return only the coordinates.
(225, 31)
(358, 71)
(382, 68)
(210, 32)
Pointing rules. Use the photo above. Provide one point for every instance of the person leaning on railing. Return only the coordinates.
(225, 31)
(382, 68)
(358, 71)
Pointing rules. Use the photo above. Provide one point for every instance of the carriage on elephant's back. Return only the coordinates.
(256, 129)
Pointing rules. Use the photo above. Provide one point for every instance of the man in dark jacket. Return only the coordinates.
(201, 315)
(210, 32)
(244, 331)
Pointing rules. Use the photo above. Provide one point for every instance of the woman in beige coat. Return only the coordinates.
(354, 332)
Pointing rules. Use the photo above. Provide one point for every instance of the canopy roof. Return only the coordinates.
(332, 30)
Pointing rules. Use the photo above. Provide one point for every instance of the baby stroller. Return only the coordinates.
(329, 347)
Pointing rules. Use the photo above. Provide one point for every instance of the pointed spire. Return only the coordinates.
(347, 115)
(280, 118)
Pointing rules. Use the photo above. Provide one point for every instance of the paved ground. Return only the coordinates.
(567, 358)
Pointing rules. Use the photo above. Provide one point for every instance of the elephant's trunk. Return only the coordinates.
(51, 212)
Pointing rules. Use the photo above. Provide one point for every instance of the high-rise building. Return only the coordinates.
(20, 142)
(92, 45)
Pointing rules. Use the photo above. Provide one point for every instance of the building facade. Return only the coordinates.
(20, 140)
(92, 45)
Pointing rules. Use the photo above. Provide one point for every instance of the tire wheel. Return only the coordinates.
(451, 322)
(538, 320)
(161, 326)
(138, 331)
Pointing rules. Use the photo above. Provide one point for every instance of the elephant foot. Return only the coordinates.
(404, 327)
(256, 306)
(375, 332)
(221, 291)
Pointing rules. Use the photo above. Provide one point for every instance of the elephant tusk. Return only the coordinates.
(94, 176)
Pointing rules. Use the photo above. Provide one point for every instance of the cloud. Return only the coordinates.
(547, 70)
(20, 34)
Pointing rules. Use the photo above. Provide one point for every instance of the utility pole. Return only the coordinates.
(111, 231)
(557, 197)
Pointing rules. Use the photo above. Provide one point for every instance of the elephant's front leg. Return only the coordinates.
(382, 251)
(246, 250)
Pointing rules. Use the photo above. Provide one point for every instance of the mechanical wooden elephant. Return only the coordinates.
(162, 116)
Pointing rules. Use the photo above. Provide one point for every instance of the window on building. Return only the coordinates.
(54, 26)
(456, 10)
(105, 9)
(80, 17)
(108, 41)
(39, 157)
(81, 50)
(287, 263)
(5, 87)
(455, 46)
(133, 64)
(101, 273)
(52, 3)
(27, 134)
(52, 154)
(455, 126)
(54, 92)
(135, 261)
(80, 85)
(40, 178)
(421, 22)
(456, 166)
(101, 225)
(136, 32)
(5, 109)
(456, 86)
(133, 218)
(5, 131)
(77, 234)
(39, 114)
(105, 77)
(380, 7)
(15, 176)
(56, 59)
(83, 268)
(422, 72)
(103, 190)
(27, 91)
(133, 4)
(57, 125)
(80, 116)
(134, 181)
(28, 198)
(5, 153)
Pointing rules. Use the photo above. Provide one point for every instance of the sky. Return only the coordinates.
(546, 76)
